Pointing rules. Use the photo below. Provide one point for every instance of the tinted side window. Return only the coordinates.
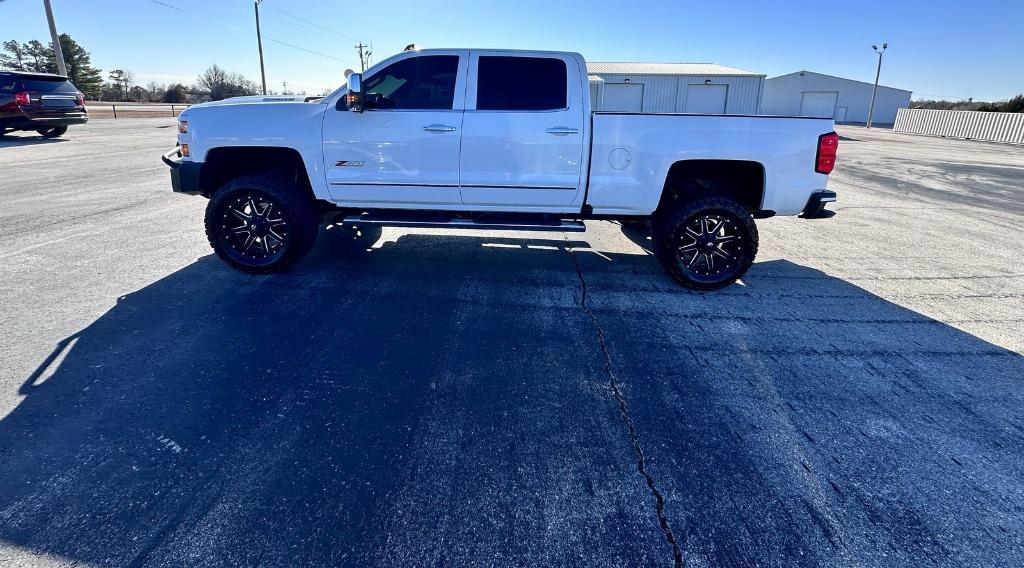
(417, 83)
(521, 83)
(8, 84)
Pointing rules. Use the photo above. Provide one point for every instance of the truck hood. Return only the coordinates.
(258, 99)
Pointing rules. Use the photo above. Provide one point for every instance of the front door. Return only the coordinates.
(403, 149)
(523, 133)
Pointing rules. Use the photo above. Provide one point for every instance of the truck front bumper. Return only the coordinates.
(815, 208)
(184, 175)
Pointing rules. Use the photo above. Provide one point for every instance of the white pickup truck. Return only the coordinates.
(468, 138)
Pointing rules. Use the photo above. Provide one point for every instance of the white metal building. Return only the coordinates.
(674, 87)
(805, 93)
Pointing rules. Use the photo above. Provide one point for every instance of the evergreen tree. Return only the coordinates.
(80, 70)
(38, 57)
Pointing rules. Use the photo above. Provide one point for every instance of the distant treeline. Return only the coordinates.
(1016, 104)
(35, 56)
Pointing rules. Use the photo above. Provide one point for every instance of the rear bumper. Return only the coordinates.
(32, 121)
(815, 207)
(184, 175)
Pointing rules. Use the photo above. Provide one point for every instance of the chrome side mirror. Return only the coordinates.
(354, 96)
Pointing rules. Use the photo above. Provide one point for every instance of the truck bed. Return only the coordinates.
(632, 153)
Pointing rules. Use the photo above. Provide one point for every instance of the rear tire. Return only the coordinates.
(261, 223)
(52, 132)
(706, 244)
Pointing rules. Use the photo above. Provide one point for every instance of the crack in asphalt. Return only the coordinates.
(641, 460)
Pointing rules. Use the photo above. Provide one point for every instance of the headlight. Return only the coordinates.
(182, 127)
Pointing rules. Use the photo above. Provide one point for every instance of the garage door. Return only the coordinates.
(623, 97)
(818, 103)
(706, 99)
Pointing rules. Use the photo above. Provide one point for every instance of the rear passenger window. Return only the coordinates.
(7, 84)
(521, 83)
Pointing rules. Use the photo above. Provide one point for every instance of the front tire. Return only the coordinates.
(261, 223)
(706, 244)
(53, 131)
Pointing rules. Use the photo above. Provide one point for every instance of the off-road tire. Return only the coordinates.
(52, 131)
(297, 211)
(738, 236)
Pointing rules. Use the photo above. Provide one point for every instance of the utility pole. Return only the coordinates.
(363, 56)
(61, 67)
(259, 42)
(878, 72)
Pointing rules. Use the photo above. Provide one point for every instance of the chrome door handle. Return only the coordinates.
(562, 130)
(439, 128)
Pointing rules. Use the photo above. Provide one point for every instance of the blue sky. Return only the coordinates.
(938, 49)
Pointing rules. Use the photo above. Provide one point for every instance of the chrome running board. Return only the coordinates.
(496, 224)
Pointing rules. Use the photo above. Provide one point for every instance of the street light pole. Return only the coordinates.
(259, 42)
(61, 67)
(878, 72)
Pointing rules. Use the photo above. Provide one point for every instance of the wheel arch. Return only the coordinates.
(742, 181)
(228, 162)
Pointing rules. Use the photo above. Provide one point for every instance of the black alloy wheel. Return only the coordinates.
(52, 131)
(707, 244)
(261, 223)
(253, 228)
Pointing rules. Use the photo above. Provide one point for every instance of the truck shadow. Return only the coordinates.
(442, 400)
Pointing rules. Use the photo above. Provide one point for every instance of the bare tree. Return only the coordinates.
(123, 79)
(220, 84)
(155, 92)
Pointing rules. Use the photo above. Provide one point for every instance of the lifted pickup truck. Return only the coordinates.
(494, 139)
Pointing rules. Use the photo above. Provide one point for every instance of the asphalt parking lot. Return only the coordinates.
(442, 398)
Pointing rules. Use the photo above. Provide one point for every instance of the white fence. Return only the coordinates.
(967, 124)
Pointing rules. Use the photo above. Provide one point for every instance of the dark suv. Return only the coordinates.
(39, 101)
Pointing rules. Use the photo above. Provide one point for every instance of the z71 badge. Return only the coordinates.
(349, 164)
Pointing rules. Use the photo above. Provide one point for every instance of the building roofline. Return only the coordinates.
(842, 78)
(727, 71)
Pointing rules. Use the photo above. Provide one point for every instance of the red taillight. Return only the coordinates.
(828, 144)
(81, 99)
(22, 98)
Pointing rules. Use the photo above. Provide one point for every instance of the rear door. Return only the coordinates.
(523, 132)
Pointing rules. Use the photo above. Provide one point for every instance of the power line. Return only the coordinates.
(314, 24)
(168, 6)
(293, 46)
(268, 38)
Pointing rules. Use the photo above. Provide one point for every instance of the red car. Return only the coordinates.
(42, 102)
